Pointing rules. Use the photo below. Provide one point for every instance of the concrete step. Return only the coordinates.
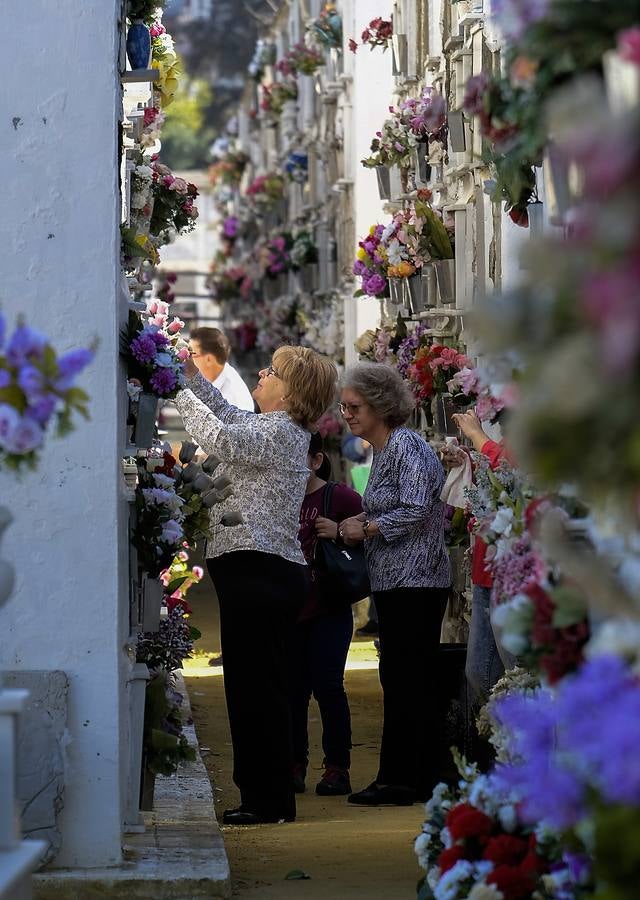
(180, 856)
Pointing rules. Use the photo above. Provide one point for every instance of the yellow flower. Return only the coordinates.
(362, 253)
(170, 70)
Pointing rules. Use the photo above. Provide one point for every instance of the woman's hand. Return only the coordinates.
(452, 456)
(326, 528)
(469, 425)
(190, 368)
(350, 530)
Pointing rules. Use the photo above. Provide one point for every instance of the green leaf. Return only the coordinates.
(570, 608)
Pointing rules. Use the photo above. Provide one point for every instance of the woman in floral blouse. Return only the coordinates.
(257, 566)
(403, 532)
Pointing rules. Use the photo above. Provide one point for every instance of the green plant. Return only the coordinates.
(164, 744)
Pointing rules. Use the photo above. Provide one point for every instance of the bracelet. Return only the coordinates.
(365, 527)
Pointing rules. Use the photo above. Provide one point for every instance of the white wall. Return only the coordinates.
(58, 234)
(372, 94)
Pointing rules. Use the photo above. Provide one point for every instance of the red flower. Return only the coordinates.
(505, 849)
(353, 45)
(448, 858)
(465, 821)
(519, 216)
(514, 883)
(172, 602)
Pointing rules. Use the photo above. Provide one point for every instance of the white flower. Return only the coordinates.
(172, 532)
(485, 892)
(163, 480)
(144, 172)
(448, 886)
(394, 252)
(508, 817)
(445, 837)
(138, 200)
(134, 391)
(503, 521)
(421, 848)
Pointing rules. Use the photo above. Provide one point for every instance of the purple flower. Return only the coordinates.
(144, 348)
(25, 437)
(25, 344)
(373, 285)
(515, 16)
(31, 380)
(70, 365)
(359, 268)
(9, 419)
(5, 378)
(160, 339)
(230, 227)
(42, 408)
(163, 382)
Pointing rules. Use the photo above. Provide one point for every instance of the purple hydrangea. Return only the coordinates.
(163, 381)
(584, 738)
(25, 345)
(374, 284)
(70, 365)
(144, 348)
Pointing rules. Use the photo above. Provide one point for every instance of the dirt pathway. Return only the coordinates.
(349, 852)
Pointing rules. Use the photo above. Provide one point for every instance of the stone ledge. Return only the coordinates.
(180, 856)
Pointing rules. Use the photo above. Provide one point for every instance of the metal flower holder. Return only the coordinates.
(445, 270)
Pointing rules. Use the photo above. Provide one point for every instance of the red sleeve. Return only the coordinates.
(345, 502)
(494, 452)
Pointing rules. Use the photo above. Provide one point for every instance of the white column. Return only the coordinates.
(59, 234)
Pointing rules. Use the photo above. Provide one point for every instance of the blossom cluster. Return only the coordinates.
(265, 190)
(274, 96)
(36, 387)
(300, 59)
(154, 361)
(173, 202)
(378, 33)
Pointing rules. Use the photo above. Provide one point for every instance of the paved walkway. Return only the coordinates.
(349, 852)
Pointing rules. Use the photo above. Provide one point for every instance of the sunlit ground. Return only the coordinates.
(362, 655)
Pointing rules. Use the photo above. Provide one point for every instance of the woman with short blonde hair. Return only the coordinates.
(257, 567)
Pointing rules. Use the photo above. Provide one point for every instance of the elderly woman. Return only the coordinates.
(403, 532)
(257, 567)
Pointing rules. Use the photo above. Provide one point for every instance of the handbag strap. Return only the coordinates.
(326, 500)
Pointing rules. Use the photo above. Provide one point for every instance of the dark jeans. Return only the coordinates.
(260, 599)
(484, 666)
(409, 621)
(320, 656)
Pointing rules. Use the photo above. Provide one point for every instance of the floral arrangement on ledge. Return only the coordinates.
(164, 743)
(229, 169)
(153, 120)
(173, 202)
(327, 28)
(158, 534)
(229, 282)
(144, 10)
(264, 55)
(275, 95)
(266, 190)
(392, 145)
(36, 387)
(153, 362)
(378, 33)
(165, 59)
(304, 251)
(427, 367)
(300, 60)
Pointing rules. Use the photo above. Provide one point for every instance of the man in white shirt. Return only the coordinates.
(210, 352)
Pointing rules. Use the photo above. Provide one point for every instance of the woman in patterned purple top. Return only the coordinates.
(402, 527)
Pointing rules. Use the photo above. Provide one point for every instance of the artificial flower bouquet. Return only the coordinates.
(229, 279)
(303, 251)
(153, 362)
(229, 169)
(275, 95)
(382, 344)
(475, 845)
(173, 202)
(167, 63)
(378, 33)
(426, 366)
(371, 264)
(36, 387)
(165, 745)
(158, 534)
(266, 190)
(326, 29)
(300, 60)
(264, 55)
(425, 115)
(392, 145)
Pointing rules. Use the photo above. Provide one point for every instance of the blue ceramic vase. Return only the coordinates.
(138, 45)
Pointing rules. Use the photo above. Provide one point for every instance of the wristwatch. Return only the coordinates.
(365, 527)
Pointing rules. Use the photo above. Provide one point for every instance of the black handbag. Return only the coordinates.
(340, 571)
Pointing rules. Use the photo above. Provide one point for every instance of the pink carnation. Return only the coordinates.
(629, 44)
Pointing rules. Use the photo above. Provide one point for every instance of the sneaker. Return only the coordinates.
(334, 782)
(368, 630)
(299, 772)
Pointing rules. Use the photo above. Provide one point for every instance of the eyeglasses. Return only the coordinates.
(272, 371)
(194, 355)
(351, 408)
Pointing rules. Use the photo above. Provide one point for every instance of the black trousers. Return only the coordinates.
(322, 645)
(409, 623)
(260, 597)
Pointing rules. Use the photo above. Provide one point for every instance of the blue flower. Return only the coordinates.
(25, 344)
(70, 365)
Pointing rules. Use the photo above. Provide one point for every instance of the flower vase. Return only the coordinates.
(138, 45)
(395, 291)
(446, 279)
(422, 169)
(429, 287)
(144, 430)
(413, 294)
(384, 182)
(7, 576)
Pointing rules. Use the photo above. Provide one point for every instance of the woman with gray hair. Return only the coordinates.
(403, 532)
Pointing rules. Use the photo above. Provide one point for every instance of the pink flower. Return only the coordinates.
(198, 572)
(487, 407)
(183, 355)
(157, 29)
(175, 326)
(158, 320)
(168, 180)
(629, 44)
(157, 307)
(353, 46)
(179, 185)
(165, 577)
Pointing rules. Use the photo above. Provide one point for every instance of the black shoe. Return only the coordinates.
(381, 795)
(299, 773)
(368, 630)
(242, 816)
(334, 782)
